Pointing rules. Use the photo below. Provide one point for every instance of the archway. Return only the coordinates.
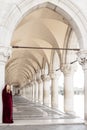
(67, 12)
(42, 26)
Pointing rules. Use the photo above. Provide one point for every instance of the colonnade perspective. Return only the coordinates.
(41, 86)
(59, 25)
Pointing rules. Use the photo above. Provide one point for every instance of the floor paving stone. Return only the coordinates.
(33, 116)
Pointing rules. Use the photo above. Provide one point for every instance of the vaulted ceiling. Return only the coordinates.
(41, 28)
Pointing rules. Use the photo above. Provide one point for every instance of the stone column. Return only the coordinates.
(54, 89)
(46, 90)
(40, 87)
(4, 55)
(36, 89)
(29, 92)
(40, 91)
(68, 71)
(23, 91)
(26, 91)
(33, 91)
(20, 92)
(82, 58)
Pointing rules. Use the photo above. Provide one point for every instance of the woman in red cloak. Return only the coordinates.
(7, 105)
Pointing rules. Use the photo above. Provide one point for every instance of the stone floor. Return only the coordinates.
(33, 116)
(44, 127)
(30, 113)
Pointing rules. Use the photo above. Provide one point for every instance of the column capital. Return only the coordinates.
(5, 53)
(82, 58)
(39, 80)
(55, 74)
(45, 77)
(38, 75)
(68, 68)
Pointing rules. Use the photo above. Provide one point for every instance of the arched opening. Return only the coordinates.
(40, 28)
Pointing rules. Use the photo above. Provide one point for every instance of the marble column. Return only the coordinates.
(82, 59)
(40, 91)
(33, 91)
(29, 92)
(54, 88)
(23, 91)
(36, 89)
(68, 71)
(4, 55)
(46, 90)
(20, 91)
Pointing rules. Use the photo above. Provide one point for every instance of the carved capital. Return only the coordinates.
(68, 68)
(5, 53)
(39, 81)
(55, 74)
(82, 58)
(38, 75)
(45, 77)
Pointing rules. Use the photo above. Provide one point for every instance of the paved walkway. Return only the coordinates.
(33, 116)
(29, 113)
(44, 127)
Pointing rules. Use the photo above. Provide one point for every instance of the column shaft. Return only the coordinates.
(36, 87)
(85, 94)
(46, 91)
(68, 93)
(54, 93)
(68, 71)
(40, 91)
(82, 59)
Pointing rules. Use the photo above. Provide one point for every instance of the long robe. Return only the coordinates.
(7, 106)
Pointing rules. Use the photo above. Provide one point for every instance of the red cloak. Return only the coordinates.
(7, 106)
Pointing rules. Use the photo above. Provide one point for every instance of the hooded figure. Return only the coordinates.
(7, 105)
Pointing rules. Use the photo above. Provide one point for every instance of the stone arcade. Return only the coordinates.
(34, 72)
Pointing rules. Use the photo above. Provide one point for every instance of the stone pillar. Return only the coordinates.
(30, 91)
(46, 90)
(27, 91)
(82, 58)
(23, 91)
(40, 86)
(33, 91)
(13, 90)
(54, 89)
(36, 91)
(20, 92)
(68, 71)
(4, 55)
(40, 91)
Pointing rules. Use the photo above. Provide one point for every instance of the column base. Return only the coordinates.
(85, 122)
(46, 104)
(54, 106)
(71, 113)
(41, 103)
